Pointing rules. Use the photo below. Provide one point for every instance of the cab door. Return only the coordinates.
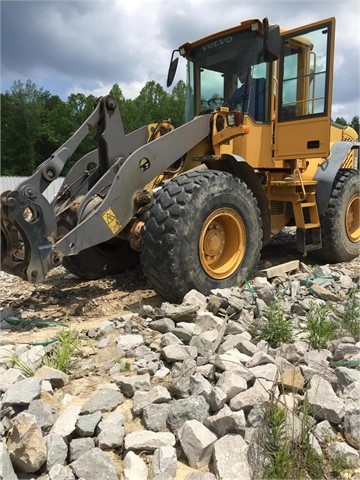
(303, 113)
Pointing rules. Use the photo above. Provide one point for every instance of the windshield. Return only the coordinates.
(214, 75)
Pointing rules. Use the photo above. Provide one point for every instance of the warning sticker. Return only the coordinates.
(111, 220)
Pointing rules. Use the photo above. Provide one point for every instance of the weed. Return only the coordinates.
(26, 369)
(349, 319)
(290, 455)
(320, 326)
(277, 329)
(124, 366)
(63, 355)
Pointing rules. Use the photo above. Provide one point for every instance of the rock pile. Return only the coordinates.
(186, 383)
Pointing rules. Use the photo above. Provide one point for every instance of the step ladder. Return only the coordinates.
(301, 194)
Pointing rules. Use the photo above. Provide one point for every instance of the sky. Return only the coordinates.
(82, 46)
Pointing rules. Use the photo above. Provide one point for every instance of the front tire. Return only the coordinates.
(202, 231)
(340, 225)
(108, 258)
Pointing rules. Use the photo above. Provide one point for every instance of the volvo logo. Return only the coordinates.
(217, 43)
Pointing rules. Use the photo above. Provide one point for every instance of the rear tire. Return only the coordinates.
(108, 258)
(202, 231)
(340, 225)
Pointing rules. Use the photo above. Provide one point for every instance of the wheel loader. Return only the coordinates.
(196, 204)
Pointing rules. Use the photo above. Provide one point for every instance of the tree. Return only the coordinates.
(355, 123)
(341, 121)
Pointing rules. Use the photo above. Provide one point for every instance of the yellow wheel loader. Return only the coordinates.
(257, 152)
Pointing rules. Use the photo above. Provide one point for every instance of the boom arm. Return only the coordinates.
(32, 241)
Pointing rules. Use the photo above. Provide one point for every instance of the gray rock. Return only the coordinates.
(352, 428)
(195, 298)
(164, 464)
(233, 341)
(155, 416)
(44, 413)
(57, 450)
(200, 476)
(182, 410)
(169, 339)
(185, 334)
(26, 445)
(259, 358)
(148, 441)
(111, 431)
(157, 394)
(93, 465)
(226, 421)
(325, 404)
(232, 382)
(23, 392)
(207, 321)
(351, 395)
(6, 468)
(181, 373)
(217, 399)
(345, 351)
(33, 356)
(348, 456)
(324, 432)
(129, 385)
(230, 457)
(86, 424)
(105, 400)
(260, 392)
(200, 386)
(162, 325)
(59, 472)
(268, 372)
(197, 442)
(9, 377)
(65, 423)
(79, 446)
(347, 376)
(233, 360)
(134, 467)
(129, 342)
(175, 353)
(57, 378)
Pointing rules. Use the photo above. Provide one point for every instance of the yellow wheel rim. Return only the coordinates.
(222, 243)
(352, 219)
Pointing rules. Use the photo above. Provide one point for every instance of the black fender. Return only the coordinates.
(327, 171)
(238, 166)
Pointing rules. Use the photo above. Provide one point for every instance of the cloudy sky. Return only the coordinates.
(87, 46)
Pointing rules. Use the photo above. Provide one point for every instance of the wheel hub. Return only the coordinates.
(352, 219)
(222, 243)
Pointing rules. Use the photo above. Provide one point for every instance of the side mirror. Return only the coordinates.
(172, 69)
(271, 41)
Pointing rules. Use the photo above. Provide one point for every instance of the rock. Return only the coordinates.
(85, 424)
(148, 441)
(347, 455)
(268, 372)
(65, 424)
(260, 392)
(105, 400)
(111, 431)
(351, 395)
(162, 325)
(164, 463)
(79, 446)
(226, 421)
(9, 377)
(231, 383)
(352, 428)
(44, 413)
(129, 385)
(22, 393)
(57, 378)
(175, 353)
(157, 394)
(26, 445)
(129, 342)
(59, 472)
(93, 465)
(155, 416)
(347, 376)
(292, 379)
(182, 410)
(324, 432)
(197, 442)
(6, 467)
(259, 358)
(181, 373)
(230, 458)
(57, 450)
(322, 399)
(134, 467)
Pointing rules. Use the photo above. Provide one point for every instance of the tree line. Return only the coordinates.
(34, 123)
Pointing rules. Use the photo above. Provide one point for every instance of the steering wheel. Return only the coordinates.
(215, 101)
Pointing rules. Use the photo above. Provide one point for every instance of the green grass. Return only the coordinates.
(276, 328)
(320, 326)
(349, 319)
(65, 352)
(25, 369)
